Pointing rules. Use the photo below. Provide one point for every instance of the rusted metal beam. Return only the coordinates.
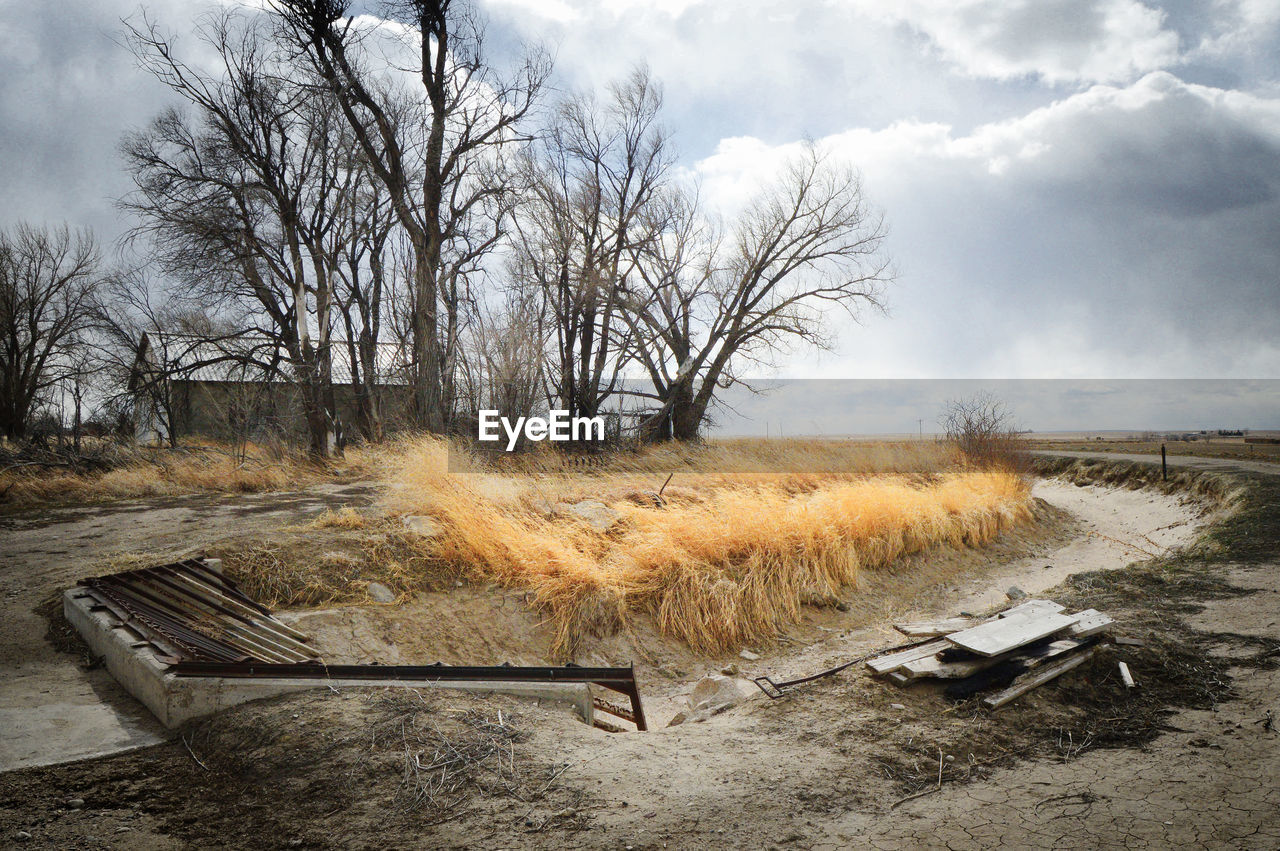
(621, 680)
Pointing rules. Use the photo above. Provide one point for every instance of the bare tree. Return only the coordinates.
(504, 363)
(982, 426)
(147, 337)
(242, 201)
(593, 182)
(437, 151)
(365, 273)
(47, 276)
(711, 303)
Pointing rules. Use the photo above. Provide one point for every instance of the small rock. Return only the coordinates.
(714, 693)
(729, 670)
(896, 706)
(380, 593)
(1015, 593)
(749, 656)
(22, 836)
(593, 512)
(422, 526)
(842, 606)
(949, 758)
(123, 829)
(295, 843)
(75, 803)
(678, 719)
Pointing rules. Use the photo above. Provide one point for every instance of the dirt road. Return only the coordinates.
(1209, 465)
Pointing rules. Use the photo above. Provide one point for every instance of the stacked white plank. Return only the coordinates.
(1039, 636)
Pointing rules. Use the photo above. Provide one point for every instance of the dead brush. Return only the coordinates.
(289, 570)
(116, 472)
(734, 566)
(345, 517)
(441, 769)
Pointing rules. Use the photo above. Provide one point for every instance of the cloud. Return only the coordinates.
(833, 407)
(1239, 27)
(1060, 41)
(70, 91)
(1122, 231)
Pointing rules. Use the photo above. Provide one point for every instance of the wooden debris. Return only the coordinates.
(1126, 676)
(1026, 683)
(933, 666)
(1027, 658)
(946, 626)
(932, 629)
(1129, 642)
(1014, 650)
(1091, 622)
(1005, 634)
(885, 664)
(1032, 607)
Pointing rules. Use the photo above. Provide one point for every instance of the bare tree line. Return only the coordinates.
(329, 182)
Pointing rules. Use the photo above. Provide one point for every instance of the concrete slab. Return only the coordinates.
(175, 700)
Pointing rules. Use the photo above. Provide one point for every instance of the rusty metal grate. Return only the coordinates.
(192, 613)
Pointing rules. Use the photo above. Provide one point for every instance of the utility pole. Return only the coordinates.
(921, 423)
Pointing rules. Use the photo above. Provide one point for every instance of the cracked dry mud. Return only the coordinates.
(1186, 760)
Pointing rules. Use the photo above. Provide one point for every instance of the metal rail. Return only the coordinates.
(774, 690)
(621, 680)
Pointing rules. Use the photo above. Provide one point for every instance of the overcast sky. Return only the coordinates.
(1074, 188)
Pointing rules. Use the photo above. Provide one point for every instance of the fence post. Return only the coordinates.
(1164, 465)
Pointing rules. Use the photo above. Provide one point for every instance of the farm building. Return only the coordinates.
(244, 388)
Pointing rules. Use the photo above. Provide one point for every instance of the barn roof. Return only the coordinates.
(243, 358)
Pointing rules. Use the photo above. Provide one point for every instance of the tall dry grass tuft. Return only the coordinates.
(728, 562)
(134, 472)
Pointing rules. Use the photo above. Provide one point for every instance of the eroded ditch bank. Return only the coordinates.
(825, 765)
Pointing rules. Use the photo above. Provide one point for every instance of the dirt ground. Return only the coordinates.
(1185, 760)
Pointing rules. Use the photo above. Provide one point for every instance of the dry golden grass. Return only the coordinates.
(143, 472)
(728, 560)
(345, 517)
(303, 567)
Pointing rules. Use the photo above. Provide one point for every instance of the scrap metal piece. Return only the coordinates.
(774, 690)
(621, 680)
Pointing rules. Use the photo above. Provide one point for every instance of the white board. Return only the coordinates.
(1005, 634)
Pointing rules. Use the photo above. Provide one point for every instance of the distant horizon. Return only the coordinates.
(1063, 433)
(862, 407)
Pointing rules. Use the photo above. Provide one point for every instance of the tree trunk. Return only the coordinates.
(426, 378)
(687, 416)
